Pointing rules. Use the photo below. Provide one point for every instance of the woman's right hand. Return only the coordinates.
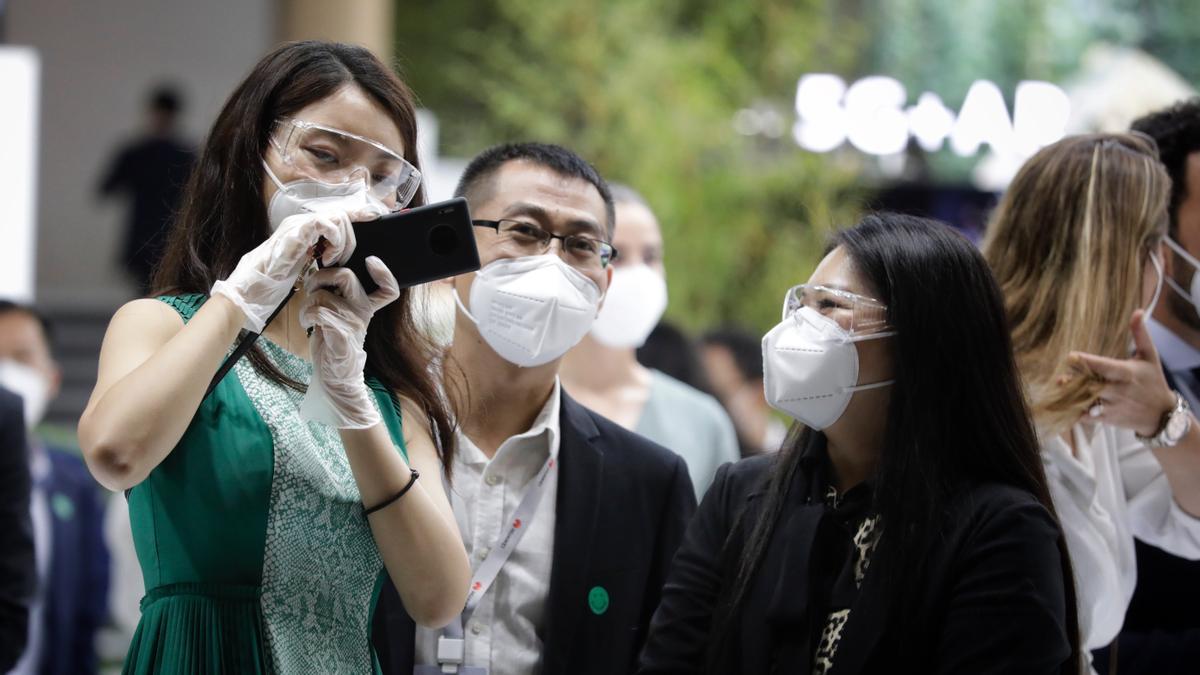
(264, 276)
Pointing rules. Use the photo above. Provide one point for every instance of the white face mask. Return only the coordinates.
(1193, 293)
(1158, 269)
(636, 300)
(29, 384)
(531, 310)
(308, 195)
(810, 368)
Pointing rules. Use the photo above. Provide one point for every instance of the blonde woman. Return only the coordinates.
(1075, 246)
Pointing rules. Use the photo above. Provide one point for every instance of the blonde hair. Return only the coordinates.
(1067, 244)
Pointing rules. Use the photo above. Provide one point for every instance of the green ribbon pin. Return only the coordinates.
(62, 506)
(598, 600)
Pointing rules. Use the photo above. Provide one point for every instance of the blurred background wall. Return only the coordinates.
(99, 59)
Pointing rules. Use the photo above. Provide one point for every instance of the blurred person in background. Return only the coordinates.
(603, 372)
(733, 362)
(266, 512)
(150, 172)
(670, 350)
(1076, 245)
(1162, 627)
(906, 527)
(66, 509)
(18, 566)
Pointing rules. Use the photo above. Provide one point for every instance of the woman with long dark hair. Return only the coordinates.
(906, 527)
(265, 512)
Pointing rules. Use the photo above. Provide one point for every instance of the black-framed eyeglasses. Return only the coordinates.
(526, 238)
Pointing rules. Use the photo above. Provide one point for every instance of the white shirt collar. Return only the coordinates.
(545, 426)
(1176, 354)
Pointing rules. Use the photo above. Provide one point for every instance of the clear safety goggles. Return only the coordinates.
(856, 314)
(334, 156)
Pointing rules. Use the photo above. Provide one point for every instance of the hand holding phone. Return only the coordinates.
(418, 245)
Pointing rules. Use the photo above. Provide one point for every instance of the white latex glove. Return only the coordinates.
(338, 310)
(264, 276)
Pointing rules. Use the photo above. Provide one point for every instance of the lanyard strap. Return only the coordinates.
(489, 569)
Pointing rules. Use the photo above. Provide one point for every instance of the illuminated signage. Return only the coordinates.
(872, 115)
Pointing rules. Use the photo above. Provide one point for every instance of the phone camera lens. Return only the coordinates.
(443, 240)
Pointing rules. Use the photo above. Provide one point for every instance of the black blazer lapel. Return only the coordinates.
(577, 507)
(787, 611)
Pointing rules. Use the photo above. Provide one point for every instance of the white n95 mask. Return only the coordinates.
(29, 384)
(309, 195)
(636, 300)
(810, 367)
(531, 310)
(1193, 292)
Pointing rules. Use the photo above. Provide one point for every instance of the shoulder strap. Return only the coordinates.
(187, 305)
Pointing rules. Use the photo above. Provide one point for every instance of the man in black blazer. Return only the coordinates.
(16, 532)
(1161, 633)
(66, 508)
(575, 593)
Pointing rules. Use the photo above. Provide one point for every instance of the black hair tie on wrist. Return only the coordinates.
(388, 502)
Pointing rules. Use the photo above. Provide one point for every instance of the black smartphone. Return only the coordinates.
(418, 245)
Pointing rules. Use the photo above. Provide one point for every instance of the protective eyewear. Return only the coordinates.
(856, 314)
(522, 238)
(334, 156)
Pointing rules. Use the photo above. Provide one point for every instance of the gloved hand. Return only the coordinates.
(338, 310)
(264, 276)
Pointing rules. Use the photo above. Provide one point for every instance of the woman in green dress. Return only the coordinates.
(250, 505)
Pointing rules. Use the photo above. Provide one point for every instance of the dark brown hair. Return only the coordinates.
(224, 214)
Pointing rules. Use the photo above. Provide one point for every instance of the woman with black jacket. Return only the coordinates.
(906, 525)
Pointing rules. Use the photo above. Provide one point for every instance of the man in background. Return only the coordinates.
(66, 510)
(732, 358)
(1161, 634)
(150, 171)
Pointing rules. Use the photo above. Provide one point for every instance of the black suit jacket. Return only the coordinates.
(75, 599)
(623, 504)
(1161, 634)
(994, 598)
(17, 572)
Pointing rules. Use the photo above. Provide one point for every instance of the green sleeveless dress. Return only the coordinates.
(251, 536)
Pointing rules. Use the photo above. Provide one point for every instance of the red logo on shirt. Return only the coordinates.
(517, 524)
(551, 464)
(478, 585)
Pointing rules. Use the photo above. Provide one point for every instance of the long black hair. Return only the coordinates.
(224, 213)
(957, 414)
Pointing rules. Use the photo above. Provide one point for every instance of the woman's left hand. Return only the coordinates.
(1135, 394)
(338, 310)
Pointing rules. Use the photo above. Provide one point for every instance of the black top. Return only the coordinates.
(994, 598)
(846, 535)
(623, 503)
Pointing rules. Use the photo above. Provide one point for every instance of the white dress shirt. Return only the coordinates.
(506, 631)
(1113, 490)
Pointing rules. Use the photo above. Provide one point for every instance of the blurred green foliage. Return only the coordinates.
(943, 46)
(648, 92)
